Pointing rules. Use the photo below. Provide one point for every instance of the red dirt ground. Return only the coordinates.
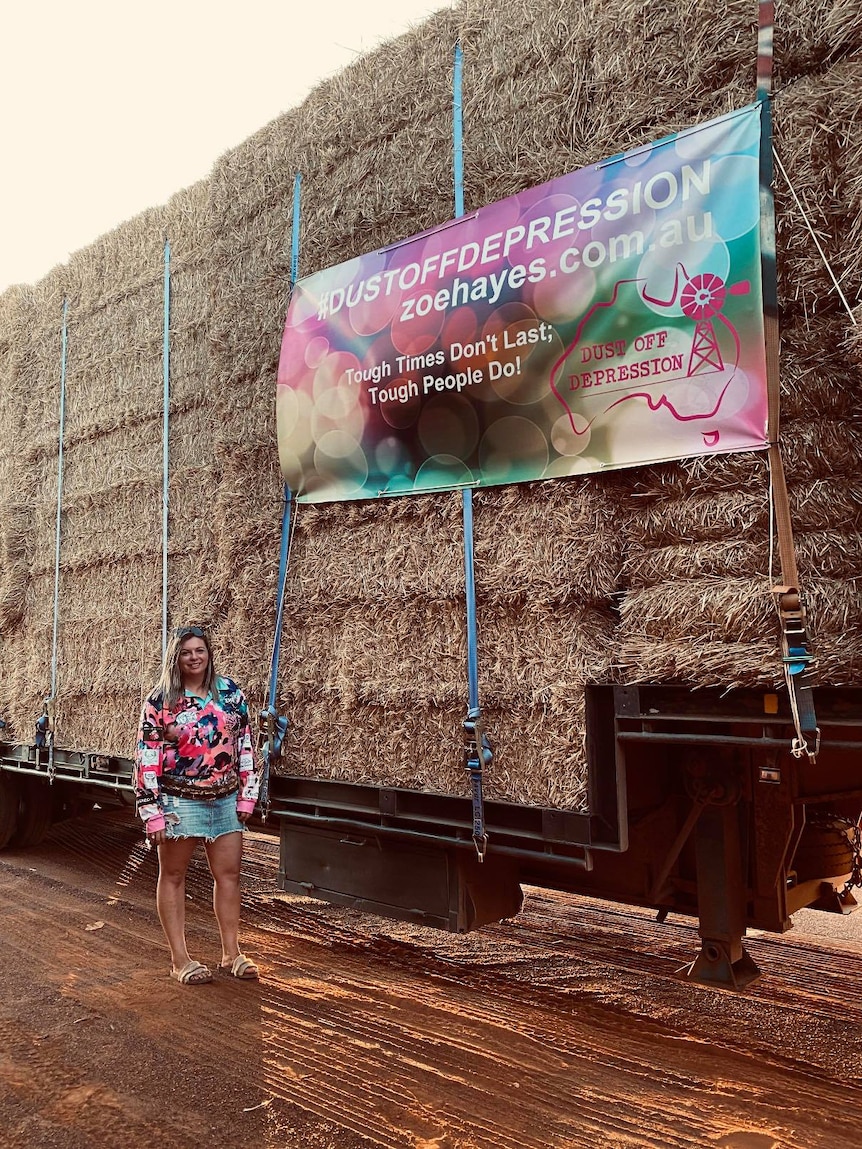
(567, 1027)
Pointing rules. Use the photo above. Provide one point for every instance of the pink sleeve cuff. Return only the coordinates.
(156, 823)
(245, 805)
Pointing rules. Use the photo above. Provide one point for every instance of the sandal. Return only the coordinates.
(241, 967)
(192, 973)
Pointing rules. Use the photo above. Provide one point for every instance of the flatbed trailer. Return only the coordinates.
(697, 805)
(43, 784)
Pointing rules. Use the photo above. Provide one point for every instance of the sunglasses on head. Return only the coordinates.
(189, 632)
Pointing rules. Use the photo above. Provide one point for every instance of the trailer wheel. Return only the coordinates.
(9, 802)
(35, 813)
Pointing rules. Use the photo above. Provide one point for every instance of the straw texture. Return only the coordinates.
(663, 573)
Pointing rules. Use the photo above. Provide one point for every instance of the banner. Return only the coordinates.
(608, 318)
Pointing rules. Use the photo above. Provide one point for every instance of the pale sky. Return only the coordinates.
(109, 108)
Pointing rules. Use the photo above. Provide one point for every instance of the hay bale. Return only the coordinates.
(723, 632)
(814, 34)
(193, 483)
(817, 378)
(559, 540)
(698, 524)
(36, 348)
(193, 470)
(390, 551)
(854, 336)
(819, 553)
(539, 756)
(527, 649)
(375, 591)
(818, 139)
(189, 227)
(348, 665)
(129, 464)
(29, 656)
(14, 517)
(580, 84)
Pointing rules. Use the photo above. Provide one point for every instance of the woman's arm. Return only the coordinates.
(148, 768)
(247, 765)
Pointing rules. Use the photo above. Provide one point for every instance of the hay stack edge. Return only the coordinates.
(659, 573)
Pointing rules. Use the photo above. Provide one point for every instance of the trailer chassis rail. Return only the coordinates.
(103, 770)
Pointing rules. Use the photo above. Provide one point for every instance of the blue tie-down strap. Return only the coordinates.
(43, 726)
(797, 659)
(275, 726)
(477, 756)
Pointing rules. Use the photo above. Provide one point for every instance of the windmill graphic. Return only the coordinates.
(701, 299)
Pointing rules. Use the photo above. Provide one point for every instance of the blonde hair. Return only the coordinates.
(170, 685)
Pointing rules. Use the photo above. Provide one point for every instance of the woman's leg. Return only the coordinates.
(174, 857)
(224, 857)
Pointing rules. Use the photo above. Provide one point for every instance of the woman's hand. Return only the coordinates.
(157, 837)
(243, 815)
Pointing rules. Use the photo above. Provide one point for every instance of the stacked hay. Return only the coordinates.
(111, 542)
(13, 514)
(551, 90)
(375, 644)
(854, 336)
(660, 573)
(374, 658)
(14, 509)
(30, 432)
(357, 141)
(194, 407)
(698, 568)
(374, 662)
(112, 548)
(110, 574)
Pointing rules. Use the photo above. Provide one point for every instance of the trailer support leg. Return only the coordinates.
(834, 902)
(723, 959)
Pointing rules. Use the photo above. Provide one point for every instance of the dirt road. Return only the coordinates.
(567, 1027)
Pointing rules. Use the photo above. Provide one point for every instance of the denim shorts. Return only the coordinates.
(207, 818)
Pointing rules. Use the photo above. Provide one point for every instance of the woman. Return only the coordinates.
(196, 779)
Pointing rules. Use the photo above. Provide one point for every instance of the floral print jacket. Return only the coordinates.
(212, 754)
